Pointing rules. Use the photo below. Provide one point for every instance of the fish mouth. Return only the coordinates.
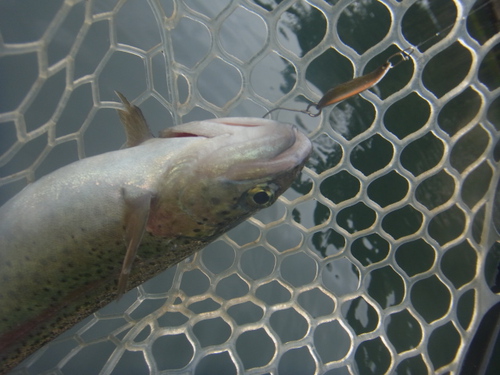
(246, 148)
(283, 150)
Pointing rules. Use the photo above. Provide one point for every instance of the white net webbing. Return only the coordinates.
(380, 259)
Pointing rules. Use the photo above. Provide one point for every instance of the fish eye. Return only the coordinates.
(260, 196)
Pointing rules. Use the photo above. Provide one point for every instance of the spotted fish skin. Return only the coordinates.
(68, 242)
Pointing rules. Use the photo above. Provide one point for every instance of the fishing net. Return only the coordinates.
(383, 255)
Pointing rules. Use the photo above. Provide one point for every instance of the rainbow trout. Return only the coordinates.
(83, 235)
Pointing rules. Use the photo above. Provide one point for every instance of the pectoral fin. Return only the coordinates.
(134, 122)
(136, 217)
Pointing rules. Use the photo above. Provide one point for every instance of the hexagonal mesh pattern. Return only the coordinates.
(376, 261)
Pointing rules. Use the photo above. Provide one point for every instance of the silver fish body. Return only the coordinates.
(68, 242)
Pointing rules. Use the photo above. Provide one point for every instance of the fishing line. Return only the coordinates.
(359, 84)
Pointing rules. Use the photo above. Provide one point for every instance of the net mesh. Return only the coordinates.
(379, 259)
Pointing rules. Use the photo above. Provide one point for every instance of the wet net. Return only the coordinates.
(383, 255)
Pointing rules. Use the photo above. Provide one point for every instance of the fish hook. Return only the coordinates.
(305, 111)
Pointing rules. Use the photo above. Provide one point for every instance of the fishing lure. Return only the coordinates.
(350, 88)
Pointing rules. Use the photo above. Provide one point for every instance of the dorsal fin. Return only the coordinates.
(135, 124)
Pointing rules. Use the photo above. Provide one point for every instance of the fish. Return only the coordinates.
(81, 236)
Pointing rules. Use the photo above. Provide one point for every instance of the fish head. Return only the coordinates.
(235, 168)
